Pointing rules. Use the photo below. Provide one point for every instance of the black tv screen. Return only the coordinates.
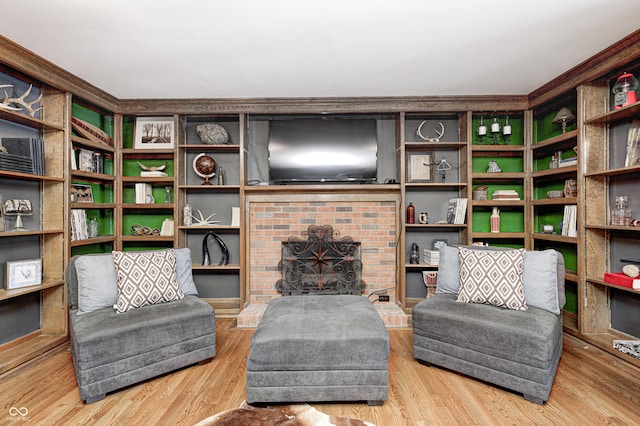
(332, 149)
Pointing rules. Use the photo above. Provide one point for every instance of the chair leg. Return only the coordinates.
(205, 361)
(428, 364)
(375, 403)
(533, 399)
(95, 398)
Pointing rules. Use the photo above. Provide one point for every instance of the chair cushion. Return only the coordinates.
(105, 336)
(319, 332)
(527, 337)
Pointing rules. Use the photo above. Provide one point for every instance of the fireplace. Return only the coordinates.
(371, 218)
(321, 263)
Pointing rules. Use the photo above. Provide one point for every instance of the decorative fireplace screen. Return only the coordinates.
(320, 264)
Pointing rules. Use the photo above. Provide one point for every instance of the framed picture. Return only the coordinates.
(437, 243)
(153, 133)
(419, 167)
(81, 193)
(23, 273)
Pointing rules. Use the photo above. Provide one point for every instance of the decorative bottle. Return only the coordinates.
(93, 228)
(482, 130)
(168, 199)
(411, 213)
(220, 176)
(506, 131)
(495, 130)
(495, 220)
(621, 214)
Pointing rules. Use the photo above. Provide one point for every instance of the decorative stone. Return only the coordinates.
(212, 134)
(631, 270)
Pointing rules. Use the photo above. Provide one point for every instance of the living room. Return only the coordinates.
(550, 149)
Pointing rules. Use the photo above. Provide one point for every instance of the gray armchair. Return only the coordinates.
(516, 349)
(111, 350)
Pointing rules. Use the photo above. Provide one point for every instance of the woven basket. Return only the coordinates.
(480, 193)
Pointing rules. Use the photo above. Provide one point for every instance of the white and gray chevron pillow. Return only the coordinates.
(145, 278)
(492, 277)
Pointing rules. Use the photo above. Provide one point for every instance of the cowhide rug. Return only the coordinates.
(278, 415)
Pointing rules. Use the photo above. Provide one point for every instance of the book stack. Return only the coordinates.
(566, 162)
(622, 279)
(144, 193)
(24, 155)
(569, 228)
(457, 211)
(431, 257)
(505, 194)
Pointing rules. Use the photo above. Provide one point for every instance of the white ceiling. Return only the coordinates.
(296, 48)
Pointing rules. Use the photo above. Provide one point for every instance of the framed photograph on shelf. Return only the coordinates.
(23, 273)
(154, 133)
(419, 167)
(81, 193)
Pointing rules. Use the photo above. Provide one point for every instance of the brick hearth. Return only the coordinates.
(368, 218)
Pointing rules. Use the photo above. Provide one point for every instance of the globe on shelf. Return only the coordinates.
(205, 167)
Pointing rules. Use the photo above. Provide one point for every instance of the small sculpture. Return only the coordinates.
(428, 139)
(493, 167)
(202, 221)
(9, 103)
(212, 134)
(152, 168)
(206, 257)
(443, 167)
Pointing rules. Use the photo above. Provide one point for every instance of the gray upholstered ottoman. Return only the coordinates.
(319, 348)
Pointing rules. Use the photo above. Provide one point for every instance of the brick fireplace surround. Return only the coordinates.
(369, 218)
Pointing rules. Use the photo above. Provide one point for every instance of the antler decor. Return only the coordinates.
(152, 168)
(428, 139)
(28, 106)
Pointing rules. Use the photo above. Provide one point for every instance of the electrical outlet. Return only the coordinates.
(383, 298)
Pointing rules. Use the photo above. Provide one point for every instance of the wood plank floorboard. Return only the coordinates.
(592, 387)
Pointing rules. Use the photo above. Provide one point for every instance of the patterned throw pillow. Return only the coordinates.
(145, 279)
(492, 277)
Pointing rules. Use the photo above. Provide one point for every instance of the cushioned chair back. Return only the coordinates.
(72, 280)
(562, 299)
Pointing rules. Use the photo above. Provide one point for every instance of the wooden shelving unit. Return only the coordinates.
(45, 238)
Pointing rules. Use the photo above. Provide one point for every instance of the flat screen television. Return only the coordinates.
(331, 149)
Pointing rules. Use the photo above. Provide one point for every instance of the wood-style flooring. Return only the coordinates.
(591, 388)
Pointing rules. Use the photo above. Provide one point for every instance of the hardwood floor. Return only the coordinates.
(591, 387)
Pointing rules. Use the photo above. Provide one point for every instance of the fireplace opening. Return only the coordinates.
(320, 263)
